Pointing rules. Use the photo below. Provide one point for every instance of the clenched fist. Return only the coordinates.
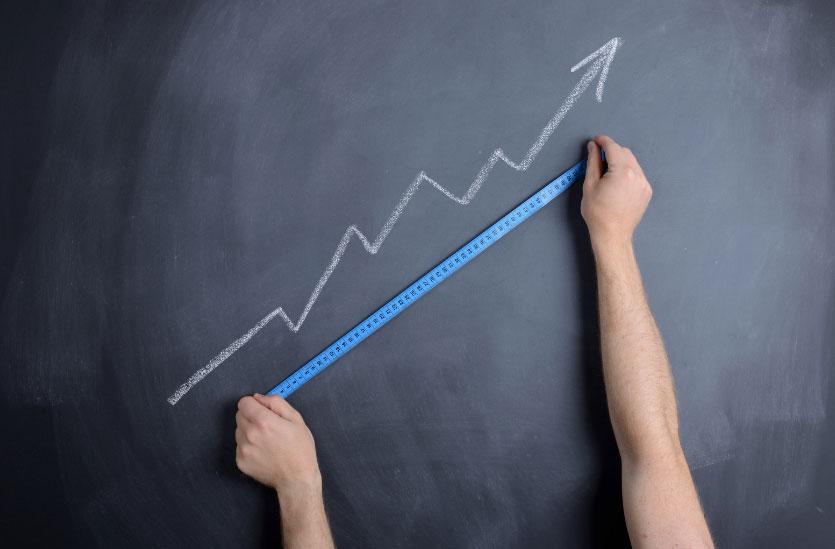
(614, 202)
(275, 447)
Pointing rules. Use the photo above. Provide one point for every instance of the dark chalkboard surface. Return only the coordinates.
(175, 171)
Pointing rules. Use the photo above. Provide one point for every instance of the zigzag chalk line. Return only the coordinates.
(600, 61)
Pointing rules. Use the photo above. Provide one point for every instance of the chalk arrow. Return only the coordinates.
(605, 54)
(598, 61)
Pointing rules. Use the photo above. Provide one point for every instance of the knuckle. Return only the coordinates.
(244, 451)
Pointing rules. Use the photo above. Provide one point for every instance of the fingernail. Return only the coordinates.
(258, 394)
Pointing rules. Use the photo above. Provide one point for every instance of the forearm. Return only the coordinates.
(639, 385)
(304, 524)
(660, 503)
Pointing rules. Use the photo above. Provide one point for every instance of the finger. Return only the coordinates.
(252, 410)
(241, 421)
(614, 152)
(240, 437)
(279, 406)
(593, 165)
(632, 162)
(239, 458)
(635, 164)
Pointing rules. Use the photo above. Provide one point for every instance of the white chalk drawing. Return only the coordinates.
(600, 61)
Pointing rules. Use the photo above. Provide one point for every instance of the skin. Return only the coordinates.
(659, 498)
(276, 448)
(660, 503)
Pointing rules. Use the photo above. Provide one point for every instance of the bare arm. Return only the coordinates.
(659, 498)
(276, 448)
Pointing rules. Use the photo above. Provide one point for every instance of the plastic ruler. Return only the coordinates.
(430, 280)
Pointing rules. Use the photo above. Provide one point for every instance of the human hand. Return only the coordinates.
(275, 447)
(613, 203)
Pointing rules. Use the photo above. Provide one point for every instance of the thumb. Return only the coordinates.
(593, 165)
(279, 406)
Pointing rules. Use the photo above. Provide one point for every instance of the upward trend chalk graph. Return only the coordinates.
(598, 65)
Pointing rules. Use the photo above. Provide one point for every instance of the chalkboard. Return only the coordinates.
(173, 172)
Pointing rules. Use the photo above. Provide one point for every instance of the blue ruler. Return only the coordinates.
(424, 284)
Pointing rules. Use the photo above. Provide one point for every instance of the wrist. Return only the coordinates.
(605, 245)
(299, 492)
(304, 521)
